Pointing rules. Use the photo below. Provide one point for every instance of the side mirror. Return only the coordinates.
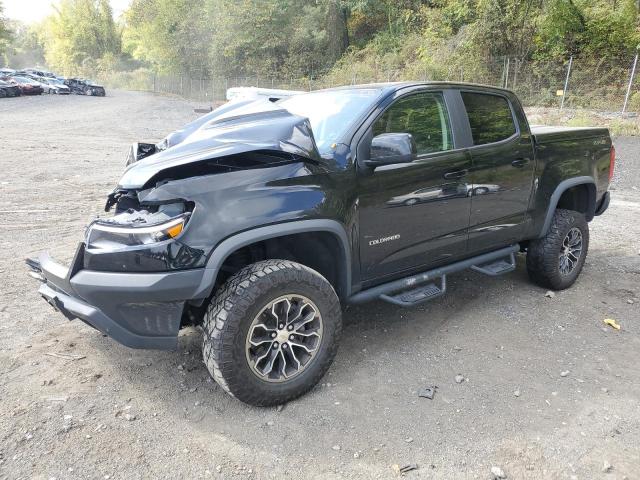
(390, 148)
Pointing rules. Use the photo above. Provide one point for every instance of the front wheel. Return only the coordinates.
(555, 260)
(271, 332)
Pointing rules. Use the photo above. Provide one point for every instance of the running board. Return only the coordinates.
(411, 290)
(418, 295)
(497, 267)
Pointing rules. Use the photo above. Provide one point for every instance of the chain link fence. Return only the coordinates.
(610, 86)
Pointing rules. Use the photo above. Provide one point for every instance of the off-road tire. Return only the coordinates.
(543, 253)
(229, 317)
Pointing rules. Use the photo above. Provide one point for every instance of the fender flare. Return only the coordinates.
(557, 193)
(239, 240)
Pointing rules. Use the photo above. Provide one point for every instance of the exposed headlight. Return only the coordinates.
(113, 236)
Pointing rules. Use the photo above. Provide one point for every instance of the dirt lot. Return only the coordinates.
(112, 412)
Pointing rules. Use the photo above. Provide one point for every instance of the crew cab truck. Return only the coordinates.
(265, 220)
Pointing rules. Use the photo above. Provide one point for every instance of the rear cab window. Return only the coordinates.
(490, 117)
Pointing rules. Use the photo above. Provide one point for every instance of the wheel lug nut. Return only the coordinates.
(290, 327)
(274, 335)
(281, 326)
(291, 337)
(275, 344)
(284, 345)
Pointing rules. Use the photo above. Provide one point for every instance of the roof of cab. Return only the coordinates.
(387, 87)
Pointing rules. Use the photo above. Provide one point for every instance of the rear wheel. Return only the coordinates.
(271, 332)
(556, 260)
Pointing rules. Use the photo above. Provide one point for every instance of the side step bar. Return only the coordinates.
(411, 291)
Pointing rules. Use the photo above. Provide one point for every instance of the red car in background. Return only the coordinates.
(26, 85)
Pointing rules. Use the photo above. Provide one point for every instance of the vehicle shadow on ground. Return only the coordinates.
(365, 328)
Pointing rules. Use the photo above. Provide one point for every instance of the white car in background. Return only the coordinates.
(254, 93)
(54, 86)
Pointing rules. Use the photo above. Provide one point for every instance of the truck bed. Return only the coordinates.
(545, 134)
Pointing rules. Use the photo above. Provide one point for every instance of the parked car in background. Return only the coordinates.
(39, 80)
(55, 86)
(8, 90)
(253, 93)
(27, 86)
(85, 87)
(38, 72)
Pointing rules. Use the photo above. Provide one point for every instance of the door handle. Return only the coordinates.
(520, 162)
(455, 174)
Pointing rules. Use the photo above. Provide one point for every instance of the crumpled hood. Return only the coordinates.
(260, 125)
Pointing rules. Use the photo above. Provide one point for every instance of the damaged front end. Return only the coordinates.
(140, 274)
(136, 310)
(141, 237)
(132, 278)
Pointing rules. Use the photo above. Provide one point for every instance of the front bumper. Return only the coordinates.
(138, 310)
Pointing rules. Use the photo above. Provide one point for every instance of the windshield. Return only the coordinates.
(331, 112)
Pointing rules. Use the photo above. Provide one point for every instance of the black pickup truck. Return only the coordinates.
(268, 216)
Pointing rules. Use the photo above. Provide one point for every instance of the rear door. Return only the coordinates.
(414, 215)
(501, 174)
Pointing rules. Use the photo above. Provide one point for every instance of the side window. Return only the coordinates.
(489, 116)
(424, 116)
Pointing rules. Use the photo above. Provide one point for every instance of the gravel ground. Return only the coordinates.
(112, 412)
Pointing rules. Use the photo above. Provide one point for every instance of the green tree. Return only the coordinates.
(598, 29)
(171, 35)
(79, 34)
(26, 48)
(5, 32)
(277, 37)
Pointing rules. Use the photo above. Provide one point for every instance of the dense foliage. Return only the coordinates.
(337, 39)
(5, 32)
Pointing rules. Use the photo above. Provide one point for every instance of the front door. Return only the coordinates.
(414, 215)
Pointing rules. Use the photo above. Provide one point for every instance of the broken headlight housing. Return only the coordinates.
(135, 228)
